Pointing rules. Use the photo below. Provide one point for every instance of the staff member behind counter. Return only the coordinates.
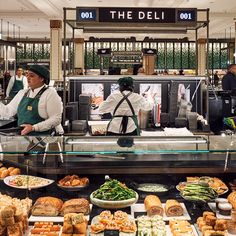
(124, 105)
(16, 83)
(229, 80)
(39, 108)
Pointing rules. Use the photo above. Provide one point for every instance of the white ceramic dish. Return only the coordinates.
(9, 179)
(113, 204)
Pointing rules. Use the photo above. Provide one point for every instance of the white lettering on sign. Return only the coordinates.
(121, 15)
(129, 15)
(149, 15)
(141, 15)
(113, 14)
(185, 16)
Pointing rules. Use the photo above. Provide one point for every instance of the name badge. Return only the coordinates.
(29, 108)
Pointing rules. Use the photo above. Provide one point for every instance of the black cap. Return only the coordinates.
(126, 82)
(41, 71)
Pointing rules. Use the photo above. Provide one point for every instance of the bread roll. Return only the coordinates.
(11, 168)
(3, 168)
(15, 171)
(8, 221)
(19, 216)
(173, 208)
(5, 173)
(153, 205)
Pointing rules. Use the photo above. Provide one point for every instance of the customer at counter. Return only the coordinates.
(124, 105)
(16, 83)
(229, 80)
(39, 108)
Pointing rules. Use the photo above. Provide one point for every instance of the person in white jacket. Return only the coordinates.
(124, 106)
(39, 108)
(16, 83)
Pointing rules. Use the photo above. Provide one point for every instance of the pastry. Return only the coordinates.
(205, 228)
(232, 199)
(205, 213)
(220, 225)
(49, 206)
(8, 221)
(210, 220)
(7, 212)
(67, 228)
(225, 208)
(231, 226)
(77, 205)
(80, 228)
(173, 208)
(153, 205)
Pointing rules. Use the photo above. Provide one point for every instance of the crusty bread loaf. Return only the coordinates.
(77, 205)
(49, 206)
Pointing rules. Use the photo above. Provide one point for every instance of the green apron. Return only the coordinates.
(27, 111)
(124, 121)
(17, 86)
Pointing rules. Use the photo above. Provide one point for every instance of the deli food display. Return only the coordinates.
(217, 184)
(113, 195)
(118, 221)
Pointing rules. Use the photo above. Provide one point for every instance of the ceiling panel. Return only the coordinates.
(33, 16)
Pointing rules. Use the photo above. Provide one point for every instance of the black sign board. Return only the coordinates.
(137, 15)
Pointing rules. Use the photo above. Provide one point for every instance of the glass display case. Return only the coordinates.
(164, 160)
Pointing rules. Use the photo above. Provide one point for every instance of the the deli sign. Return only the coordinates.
(137, 15)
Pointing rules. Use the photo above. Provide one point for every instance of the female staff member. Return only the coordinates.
(124, 106)
(39, 108)
(16, 83)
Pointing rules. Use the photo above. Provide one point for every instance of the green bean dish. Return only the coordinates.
(114, 190)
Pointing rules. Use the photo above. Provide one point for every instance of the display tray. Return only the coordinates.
(212, 205)
(140, 208)
(56, 219)
(200, 233)
(168, 231)
(72, 188)
(96, 220)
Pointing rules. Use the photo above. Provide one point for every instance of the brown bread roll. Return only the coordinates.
(8, 221)
(5, 173)
(15, 171)
(153, 205)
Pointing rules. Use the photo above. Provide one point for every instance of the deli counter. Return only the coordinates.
(164, 160)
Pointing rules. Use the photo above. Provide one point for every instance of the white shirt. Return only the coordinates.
(50, 108)
(138, 102)
(11, 83)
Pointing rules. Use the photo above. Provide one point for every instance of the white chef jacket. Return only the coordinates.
(50, 108)
(11, 83)
(138, 102)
